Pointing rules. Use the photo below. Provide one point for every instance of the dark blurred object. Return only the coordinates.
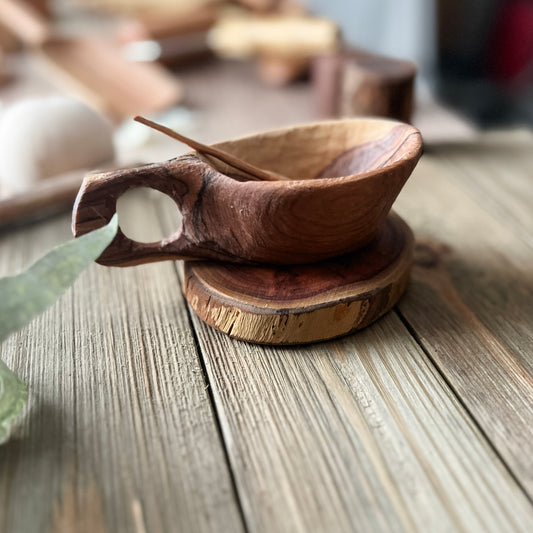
(41, 6)
(512, 44)
(282, 70)
(355, 82)
(2, 67)
(486, 59)
(464, 30)
(260, 5)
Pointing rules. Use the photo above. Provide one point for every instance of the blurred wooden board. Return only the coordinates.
(24, 21)
(97, 71)
(160, 24)
(180, 38)
(92, 67)
(499, 159)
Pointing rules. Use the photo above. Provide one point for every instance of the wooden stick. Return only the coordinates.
(24, 22)
(253, 171)
(46, 197)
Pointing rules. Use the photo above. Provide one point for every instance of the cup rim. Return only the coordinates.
(412, 154)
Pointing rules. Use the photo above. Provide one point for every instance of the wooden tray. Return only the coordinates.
(303, 303)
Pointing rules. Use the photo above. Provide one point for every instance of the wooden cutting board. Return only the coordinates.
(91, 67)
(303, 303)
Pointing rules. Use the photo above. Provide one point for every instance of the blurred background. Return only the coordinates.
(215, 69)
(475, 54)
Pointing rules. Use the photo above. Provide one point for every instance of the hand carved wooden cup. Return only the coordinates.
(344, 177)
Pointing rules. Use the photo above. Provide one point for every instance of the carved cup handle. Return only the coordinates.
(96, 204)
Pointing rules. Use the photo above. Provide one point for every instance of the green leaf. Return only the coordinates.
(28, 294)
(13, 394)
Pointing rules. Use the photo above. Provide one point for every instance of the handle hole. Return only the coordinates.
(146, 215)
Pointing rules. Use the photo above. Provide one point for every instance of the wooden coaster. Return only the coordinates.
(304, 303)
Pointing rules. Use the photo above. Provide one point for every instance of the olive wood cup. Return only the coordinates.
(343, 179)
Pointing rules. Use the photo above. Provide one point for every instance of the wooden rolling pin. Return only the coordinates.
(46, 198)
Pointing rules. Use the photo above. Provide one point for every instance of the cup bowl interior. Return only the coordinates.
(330, 149)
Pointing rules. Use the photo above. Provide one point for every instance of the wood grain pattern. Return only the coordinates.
(119, 435)
(251, 172)
(361, 434)
(355, 435)
(283, 222)
(497, 169)
(305, 303)
(471, 305)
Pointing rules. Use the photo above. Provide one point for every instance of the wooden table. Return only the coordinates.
(143, 419)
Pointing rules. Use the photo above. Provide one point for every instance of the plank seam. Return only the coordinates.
(433, 362)
(216, 416)
(208, 389)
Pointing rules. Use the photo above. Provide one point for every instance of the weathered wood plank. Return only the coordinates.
(357, 434)
(119, 435)
(471, 305)
(497, 171)
(360, 434)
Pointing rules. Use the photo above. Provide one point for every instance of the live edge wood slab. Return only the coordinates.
(303, 303)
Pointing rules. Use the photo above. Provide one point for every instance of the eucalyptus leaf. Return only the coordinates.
(28, 294)
(13, 394)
